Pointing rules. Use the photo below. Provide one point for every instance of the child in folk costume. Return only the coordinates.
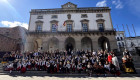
(68, 66)
(40, 65)
(46, 64)
(61, 67)
(101, 68)
(29, 65)
(43, 65)
(79, 67)
(96, 68)
(89, 69)
(10, 67)
(36, 65)
(23, 68)
(64, 67)
(33, 65)
(112, 69)
(58, 67)
(84, 64)
(19, 66)
(55, 67)
(48, 67)
(73, 67)
(106, 68)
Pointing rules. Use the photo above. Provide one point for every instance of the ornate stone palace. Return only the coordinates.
(70, 27)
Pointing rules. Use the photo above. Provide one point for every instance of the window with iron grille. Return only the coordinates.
(40, 17)
(54, 28)
(85, 27)
(99, 15)
(54, 16)
(39, 28)
(69, 27)
(101, 26)
(84, 16)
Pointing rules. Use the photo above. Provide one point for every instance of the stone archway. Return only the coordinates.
(103, 43)
(69, 43)
(37, 44)
(86, 43)
(53, 44)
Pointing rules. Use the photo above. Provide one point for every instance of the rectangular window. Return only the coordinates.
(54, 16)
(39, 28)
(101, 26)
(84, 16)
(69, 27)
(54, 28)
(85, 27)
(99, 15)
(40, 17)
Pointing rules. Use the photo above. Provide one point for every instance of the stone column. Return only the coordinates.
(29, 46)
(61, 45)
(113, 45)
(95, 45)
(44, 46)
(78, 44)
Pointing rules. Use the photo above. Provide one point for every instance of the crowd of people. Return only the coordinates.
(127, 62)
(100, 62)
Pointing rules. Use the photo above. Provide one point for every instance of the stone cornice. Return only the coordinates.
(78, 10)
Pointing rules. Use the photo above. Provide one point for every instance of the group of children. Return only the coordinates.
(101, 62)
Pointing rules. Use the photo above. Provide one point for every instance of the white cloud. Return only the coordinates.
(101, 4)
(118, 4)
(14, 24)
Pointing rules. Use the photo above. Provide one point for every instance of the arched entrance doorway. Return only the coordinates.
(103, 43)
(69, 43)
(37, 44)
(86, 43)
(53, 44)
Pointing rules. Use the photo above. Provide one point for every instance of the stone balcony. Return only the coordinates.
(75, 32)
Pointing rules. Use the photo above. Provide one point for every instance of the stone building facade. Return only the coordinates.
(121, 43)
(133, 43)
(70, 27)
(11, 39)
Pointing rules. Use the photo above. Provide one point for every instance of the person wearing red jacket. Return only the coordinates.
(109, 59)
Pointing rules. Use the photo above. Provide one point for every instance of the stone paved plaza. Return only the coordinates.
(7, 77)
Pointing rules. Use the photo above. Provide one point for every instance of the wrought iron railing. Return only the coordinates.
(74, 31)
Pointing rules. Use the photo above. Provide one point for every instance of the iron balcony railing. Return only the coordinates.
(74, 31)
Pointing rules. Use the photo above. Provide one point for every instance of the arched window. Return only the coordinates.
(119, 44)
(121, 38)
(118, 39)
(122, 44)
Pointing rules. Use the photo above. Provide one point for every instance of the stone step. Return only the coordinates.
(66, 75)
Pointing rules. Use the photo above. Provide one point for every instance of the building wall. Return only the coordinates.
(120, 37)
(76, 17)
(29, 46)
(11, 38)
(46, 41)
(7, 44)
(131, 43)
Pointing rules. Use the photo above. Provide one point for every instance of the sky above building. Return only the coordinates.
(127, 12)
